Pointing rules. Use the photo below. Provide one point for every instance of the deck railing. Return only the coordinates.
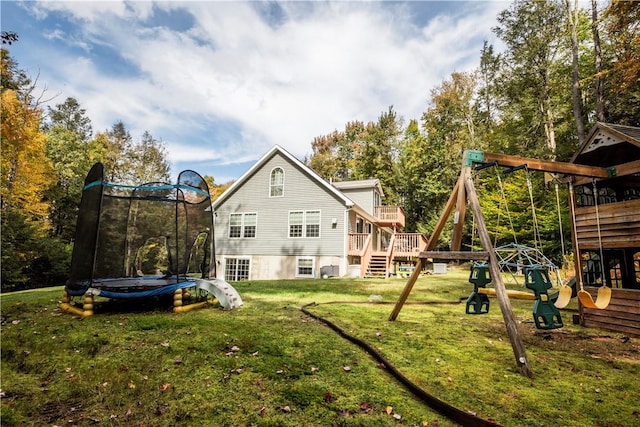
(357, 243)
(409, 244)
(390, 215)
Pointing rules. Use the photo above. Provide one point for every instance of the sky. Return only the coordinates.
(221, 83)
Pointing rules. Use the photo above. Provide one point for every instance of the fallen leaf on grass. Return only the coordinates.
(397, 416)
(344, 413)
(364, 406)
(347, 368)
(286, 409)
(165, 387)
(389, 410)
(132, 385)
(328, 397)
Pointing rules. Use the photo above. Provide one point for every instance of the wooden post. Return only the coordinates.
(458, 219)
(577, 256)
(430, 245)
(501, 293)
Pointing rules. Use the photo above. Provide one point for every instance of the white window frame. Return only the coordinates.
(235, 215)
(313, 266)
(304, 224)
(236, 260)
(243, 225)
(273, 186)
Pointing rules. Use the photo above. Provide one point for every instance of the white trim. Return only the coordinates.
(283, 179)
(237, 258)
(304, 224)
(242, 225)
(313, 266)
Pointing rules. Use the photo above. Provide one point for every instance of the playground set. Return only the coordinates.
(145, 241)
(491, 264)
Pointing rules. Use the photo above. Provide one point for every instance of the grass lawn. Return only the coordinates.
(268, 364)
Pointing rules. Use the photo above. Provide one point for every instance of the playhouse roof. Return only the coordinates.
(609, 145)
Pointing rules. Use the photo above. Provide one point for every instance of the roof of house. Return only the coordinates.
(363, 183)
(594, 151)
(304, 168)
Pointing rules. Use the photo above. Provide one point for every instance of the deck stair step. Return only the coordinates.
(377, 267)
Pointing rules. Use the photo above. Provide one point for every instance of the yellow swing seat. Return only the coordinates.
(601, 302)
(564, 296)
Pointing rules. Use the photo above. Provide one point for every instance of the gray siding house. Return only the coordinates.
(281, 220)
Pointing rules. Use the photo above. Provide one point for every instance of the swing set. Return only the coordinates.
(494, 260)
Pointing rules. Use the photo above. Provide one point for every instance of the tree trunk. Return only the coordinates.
(598, 60)
(576, 93)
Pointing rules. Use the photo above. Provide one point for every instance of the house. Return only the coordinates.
(606, 215)
(281, 220)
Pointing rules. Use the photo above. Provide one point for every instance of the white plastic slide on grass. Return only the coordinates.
(228, 297)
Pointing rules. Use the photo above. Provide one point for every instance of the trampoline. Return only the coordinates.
(142, 241)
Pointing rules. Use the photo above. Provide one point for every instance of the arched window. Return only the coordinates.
(591, 268)
(276, 184)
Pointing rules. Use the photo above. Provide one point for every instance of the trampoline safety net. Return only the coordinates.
(131, 238)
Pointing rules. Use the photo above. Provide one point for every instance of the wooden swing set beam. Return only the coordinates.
(547, 165)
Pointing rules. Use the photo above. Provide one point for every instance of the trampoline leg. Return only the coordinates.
(88, 305)
(87, 308)
(177, 301)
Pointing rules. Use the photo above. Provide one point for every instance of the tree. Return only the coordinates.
(25, 173)
(576, 91)
(71, 117)
(450, 127)
(378, 152)
(597, 52)
(148, 160)
(529, 29)
(68, 133)
(622, 62)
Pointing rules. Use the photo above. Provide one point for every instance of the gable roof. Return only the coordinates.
(363, 183)
(596, 149)
(304, 168)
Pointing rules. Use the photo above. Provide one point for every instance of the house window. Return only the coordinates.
(304, 224)
(276, 184)
(249, 224)
(304, 267)
(636, 266)
(236, 269)
(242, 225)
(296, 222)
(312, 219)
(235, 226)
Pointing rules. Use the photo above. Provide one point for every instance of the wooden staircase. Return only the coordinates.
(377, 267)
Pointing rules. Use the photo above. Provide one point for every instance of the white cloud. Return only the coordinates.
(316, 67)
